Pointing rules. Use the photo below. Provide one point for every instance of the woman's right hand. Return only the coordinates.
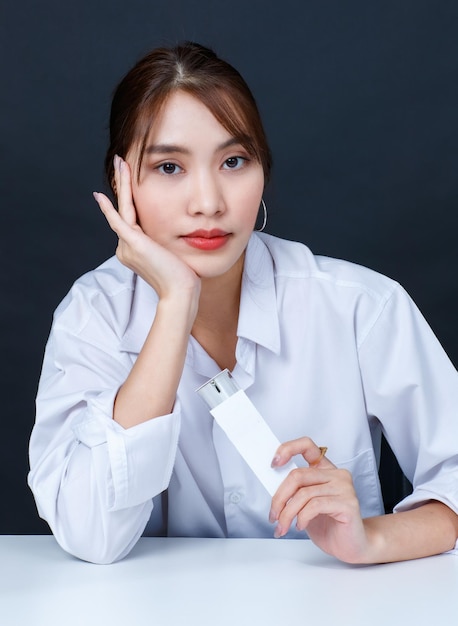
(161, 269)
(150, 388)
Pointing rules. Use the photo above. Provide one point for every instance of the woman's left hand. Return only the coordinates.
(323, 499)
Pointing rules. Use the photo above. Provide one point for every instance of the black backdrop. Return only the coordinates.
(360, 102)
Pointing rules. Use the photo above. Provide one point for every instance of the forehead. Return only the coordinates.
(184, 117)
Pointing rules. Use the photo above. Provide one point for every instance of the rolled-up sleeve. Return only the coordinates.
(94, 481)
(140, 458)
(411, 386)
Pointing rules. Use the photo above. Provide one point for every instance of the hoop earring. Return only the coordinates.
(264, 221)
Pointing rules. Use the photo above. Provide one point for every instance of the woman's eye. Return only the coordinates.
(169, 168)
(234, 163)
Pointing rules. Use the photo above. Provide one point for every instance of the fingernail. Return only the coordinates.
(276, 461)
(278, 532)
(118, 162)
(273, 517)
(96, 195)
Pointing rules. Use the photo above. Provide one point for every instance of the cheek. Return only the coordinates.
(149, 214)
(248, 200)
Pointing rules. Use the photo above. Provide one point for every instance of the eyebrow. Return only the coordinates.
(167, 148)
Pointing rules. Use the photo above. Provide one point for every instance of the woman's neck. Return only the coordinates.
(215, 326)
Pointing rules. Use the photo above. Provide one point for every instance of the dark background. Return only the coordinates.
(360, 102)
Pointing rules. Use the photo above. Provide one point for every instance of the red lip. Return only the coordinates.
(207, 239)
(207, 234)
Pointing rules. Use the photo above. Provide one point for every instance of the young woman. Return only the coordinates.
(329, 352)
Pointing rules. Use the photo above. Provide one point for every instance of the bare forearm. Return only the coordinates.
(429, 529)
(150, 389)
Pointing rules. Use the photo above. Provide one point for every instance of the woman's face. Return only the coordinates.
(199, 191)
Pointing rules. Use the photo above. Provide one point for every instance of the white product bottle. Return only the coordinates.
(245, 427)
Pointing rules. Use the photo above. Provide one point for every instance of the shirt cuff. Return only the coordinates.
(141, 458)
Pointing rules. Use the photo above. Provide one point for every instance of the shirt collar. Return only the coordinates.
(258, 316)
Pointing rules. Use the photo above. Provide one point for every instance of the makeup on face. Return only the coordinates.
(207, 239)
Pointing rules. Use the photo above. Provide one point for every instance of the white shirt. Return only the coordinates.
(326, 349)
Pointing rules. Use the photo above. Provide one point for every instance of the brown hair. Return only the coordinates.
(197, 70)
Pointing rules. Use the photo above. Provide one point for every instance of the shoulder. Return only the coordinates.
(110, 277)
(294, 260)
(106, 291)
(334, 292)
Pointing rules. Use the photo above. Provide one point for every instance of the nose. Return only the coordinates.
(206, 195)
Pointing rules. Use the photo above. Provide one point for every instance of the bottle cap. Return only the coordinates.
(218, 389)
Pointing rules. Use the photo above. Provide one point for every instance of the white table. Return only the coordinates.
(219, 582)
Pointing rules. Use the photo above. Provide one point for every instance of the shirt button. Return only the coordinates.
(235, 497)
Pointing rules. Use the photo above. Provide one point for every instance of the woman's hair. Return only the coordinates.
(196, 70)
